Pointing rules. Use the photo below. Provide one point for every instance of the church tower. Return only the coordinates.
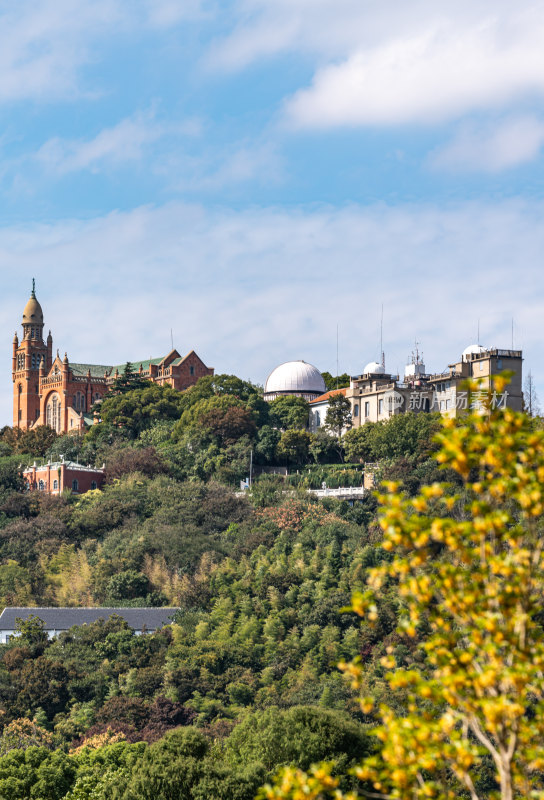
(29, 355)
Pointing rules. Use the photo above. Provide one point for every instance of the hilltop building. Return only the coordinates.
(48, 390)
(320, 406)
(377, 395)
(296, 378)
(57, 620)
(57, 476)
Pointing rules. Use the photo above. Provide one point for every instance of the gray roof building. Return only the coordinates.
(57, 620)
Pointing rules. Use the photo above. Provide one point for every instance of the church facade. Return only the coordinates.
(48, 390)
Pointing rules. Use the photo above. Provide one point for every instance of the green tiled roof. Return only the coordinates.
(97, 370)
(136, 364)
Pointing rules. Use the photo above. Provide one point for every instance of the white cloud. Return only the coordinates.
(164, 13)
(250, 289)
(440, 74)
(44, 44)
(491, 147)
(392, 63)
(121, 143)
(225, 168)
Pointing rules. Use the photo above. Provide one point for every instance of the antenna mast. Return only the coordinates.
(337, 355)
(382, 354)
(172, 338)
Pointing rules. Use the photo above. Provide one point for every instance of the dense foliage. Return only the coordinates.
(201, 708)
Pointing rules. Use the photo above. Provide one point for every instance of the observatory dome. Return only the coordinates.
(294, 378)
(472, 350)
(373, 368)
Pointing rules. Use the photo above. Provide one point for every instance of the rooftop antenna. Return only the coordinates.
(478, 341)
(337, 355)
(172, 338)
(382, 354)
(512, 333)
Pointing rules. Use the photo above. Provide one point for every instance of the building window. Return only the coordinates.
(97, 397)
(33, 361)
(367, 408)
(191, 370)
(380, 406)
(93, 485)
(75, 485)
(52, 413)
(499, 363)
(55, 484)
(317, 418)
(41, 486)
(79, 401)
(356, 410)
(481, 366)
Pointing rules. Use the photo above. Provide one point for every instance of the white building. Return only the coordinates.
(319, 408)
(296, 378)
(57, 620)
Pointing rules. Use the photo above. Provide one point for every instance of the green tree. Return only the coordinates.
(289, 412)
(314, 734)
(293, 446)
(477, 695)
(338, 418)
(267, 442)
(340, 382)
(134, 410)
(31, 632)
(127, 381)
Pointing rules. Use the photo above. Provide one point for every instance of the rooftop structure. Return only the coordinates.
(294, 378)
(57, 620)
(376, 395)
(58, 476)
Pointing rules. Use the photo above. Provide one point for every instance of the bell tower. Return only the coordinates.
(28, 356)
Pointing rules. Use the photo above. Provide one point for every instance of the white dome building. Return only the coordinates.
(373, 368)
(294, 378)
(472, 350)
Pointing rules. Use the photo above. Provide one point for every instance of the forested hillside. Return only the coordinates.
(247, 678)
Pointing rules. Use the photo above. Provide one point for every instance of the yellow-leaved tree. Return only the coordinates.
(470, 571)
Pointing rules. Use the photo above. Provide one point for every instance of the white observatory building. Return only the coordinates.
(296, 378)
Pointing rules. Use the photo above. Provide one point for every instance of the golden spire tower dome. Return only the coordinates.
(33, 314)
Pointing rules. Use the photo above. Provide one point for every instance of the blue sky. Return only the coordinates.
(252, 173)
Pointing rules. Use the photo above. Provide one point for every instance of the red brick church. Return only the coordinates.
(52, 391)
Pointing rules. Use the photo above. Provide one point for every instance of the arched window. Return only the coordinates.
(52, 413)
(55, 484)
(97, 397)
(356, 410)
(93, 484)
(41, 486)
(33, 361)
(79, 401)
(75, 485)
